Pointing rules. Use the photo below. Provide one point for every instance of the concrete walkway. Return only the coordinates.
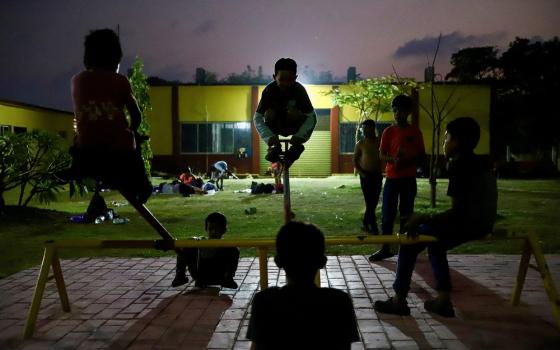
(128, 303)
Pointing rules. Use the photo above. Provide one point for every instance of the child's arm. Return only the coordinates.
(306, 129)
(356, 158)
(264, 131)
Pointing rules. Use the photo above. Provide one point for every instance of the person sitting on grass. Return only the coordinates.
(285, 109)
(190, 184)
(301, 315)
(209, 266)
(472, 188)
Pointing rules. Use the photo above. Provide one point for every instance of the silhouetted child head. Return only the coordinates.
(402, 106)
(102, 50)
(368, 128)
(461, 136)
(285, 73)
(300, 251)
(216, 225)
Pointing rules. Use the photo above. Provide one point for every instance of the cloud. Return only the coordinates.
(450, 43)
(205, 27)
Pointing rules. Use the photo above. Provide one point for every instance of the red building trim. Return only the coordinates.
(255, 140)
(335, 130)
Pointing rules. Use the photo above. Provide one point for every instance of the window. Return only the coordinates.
(215, 137)
(347, 136)
(323, 119)
(5, 130)
(19, 129)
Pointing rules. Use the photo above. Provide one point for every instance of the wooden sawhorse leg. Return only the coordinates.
(50, 258)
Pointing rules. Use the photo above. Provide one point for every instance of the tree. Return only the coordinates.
(138, 82)
(371, 97)
(31, 161)
(438, 111)
(526, 79)
(474, 64)
(309, 76)
(10, 148)
(248, 76)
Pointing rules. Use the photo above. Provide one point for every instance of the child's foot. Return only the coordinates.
(179, 280)
(369, 230)
(381, 254)
(441, 307)
(293, 154)
(230, 283)
(392, 306)
(273, 154)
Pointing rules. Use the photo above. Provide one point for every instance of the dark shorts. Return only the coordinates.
(284, 124)
(123, 171)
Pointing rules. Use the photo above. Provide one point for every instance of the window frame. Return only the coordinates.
(210, 125)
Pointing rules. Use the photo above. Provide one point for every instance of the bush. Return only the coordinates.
(31, 161)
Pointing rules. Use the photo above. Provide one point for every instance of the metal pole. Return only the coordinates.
(286, 178)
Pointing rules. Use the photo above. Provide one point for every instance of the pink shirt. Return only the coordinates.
(406, 143)
(99, 99)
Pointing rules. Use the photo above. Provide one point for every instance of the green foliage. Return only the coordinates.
(526, 78)
(474, 64)
(138, 82)
(31, 161)
(372, 97)
(248, 76)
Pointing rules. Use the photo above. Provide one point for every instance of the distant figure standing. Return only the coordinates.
(209, 266)
(285, 109)
(472, 188)
(276, 172)
(402, 148)
(368, 166)
(301, 315)
(218, 171)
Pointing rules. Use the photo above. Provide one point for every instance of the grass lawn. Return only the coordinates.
(335, 204)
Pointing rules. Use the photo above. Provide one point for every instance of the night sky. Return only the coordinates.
(42, 41)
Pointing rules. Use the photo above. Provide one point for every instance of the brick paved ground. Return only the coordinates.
(128, 303)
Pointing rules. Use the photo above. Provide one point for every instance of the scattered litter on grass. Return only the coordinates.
(118, 204)
(78, 219)
(341, 186)
(120, 221)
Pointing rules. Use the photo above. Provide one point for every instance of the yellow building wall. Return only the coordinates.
(231, 103)
(36, 118)
(225, 103)
(466, 100)
(161, 135)
(316, 93)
